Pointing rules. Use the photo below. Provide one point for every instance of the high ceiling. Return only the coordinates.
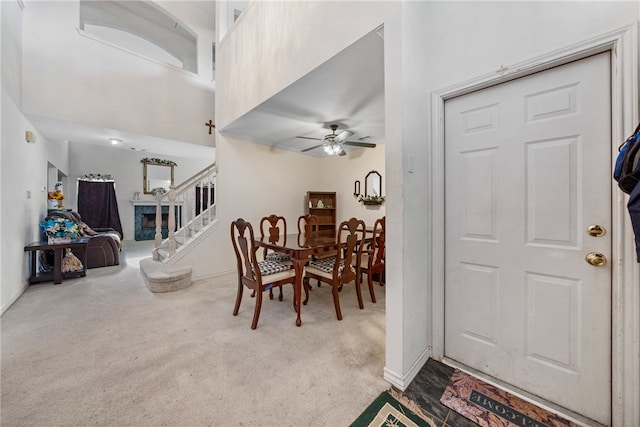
(347, 90)
(146, 20)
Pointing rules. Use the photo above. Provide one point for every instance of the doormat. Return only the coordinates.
(490, 406)
(386, 411)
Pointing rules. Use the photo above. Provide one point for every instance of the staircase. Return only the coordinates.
(193, 202)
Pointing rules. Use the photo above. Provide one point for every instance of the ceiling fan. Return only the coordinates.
(332, 143)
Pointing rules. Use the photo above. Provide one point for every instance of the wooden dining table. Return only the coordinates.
(300, 247)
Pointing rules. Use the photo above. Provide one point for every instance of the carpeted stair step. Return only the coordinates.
(158, 280)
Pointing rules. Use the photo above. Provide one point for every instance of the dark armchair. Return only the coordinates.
(104, 243)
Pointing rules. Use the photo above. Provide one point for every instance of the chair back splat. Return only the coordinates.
(350, 239)
(275, 227)
(244, 247)
(257, 276)
(308, 224)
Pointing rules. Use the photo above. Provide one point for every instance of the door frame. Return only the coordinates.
(625, 293)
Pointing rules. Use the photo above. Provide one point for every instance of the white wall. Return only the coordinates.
(253, 181)
(266, 50)
(78, 79)
(339, 173)
(3, 35)
(202, 24)
(23, 166)
(24, 170)
(125, 168)
(428, 46)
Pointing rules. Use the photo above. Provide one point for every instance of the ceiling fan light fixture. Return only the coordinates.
(332, 148)
(333, 143)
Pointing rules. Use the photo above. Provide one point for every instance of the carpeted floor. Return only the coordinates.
(103, 350)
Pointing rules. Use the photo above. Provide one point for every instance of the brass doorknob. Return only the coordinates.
(596, 259)
(596, 230)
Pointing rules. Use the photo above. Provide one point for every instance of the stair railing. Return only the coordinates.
(193, 206)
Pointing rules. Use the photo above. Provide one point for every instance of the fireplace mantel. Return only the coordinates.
(164, 202)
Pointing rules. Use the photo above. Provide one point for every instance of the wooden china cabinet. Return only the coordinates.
(323, 205)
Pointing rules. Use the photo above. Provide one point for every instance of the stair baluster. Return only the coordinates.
(185, 223)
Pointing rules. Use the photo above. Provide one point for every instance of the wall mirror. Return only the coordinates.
(156, 175)
(373, 184)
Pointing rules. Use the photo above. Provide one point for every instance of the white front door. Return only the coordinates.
(528, 170)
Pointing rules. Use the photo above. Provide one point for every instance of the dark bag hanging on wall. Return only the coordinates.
(634, 212)
(627, 168)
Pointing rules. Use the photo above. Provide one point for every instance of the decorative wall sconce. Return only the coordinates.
(356, 188)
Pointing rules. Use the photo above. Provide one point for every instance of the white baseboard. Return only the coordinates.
(401, 382)
(13, 299)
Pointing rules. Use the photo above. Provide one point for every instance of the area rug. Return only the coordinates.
(387, 411)
(490, 406)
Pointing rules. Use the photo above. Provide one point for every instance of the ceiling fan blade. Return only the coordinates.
(359, 144)
(308, 137)
(311, 148)
(343, 135)
(342, 153)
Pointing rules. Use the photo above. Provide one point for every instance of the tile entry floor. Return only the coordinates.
(426, 389)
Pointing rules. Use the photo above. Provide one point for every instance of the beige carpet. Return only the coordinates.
(103, 350)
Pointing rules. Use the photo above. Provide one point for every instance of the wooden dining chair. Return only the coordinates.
(256, 275)
(372, 259)
(274, 227)
(308, 224)
(339, 270)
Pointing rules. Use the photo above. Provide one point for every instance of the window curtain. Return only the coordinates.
(97, 204)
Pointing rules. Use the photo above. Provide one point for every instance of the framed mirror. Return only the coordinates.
(156, 175)
(373, 184)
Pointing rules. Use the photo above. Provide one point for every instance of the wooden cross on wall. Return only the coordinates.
(211, 125)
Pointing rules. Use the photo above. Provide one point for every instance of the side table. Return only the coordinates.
(58, 253)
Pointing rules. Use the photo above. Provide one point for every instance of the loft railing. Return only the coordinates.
(193, 206)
